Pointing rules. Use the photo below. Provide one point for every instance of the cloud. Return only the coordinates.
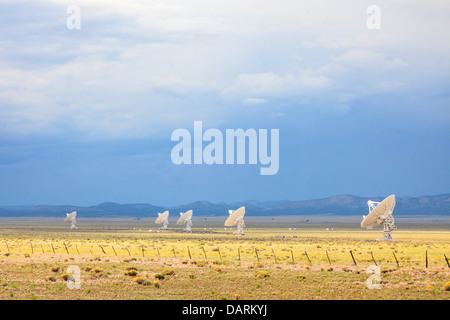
(135, 68)
(254, 101)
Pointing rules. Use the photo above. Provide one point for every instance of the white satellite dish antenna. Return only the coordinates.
(380, 213)
(236, 218)
(71, 217)
(186, 218)
(163, 218)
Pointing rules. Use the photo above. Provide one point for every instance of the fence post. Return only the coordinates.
(446, 259)
(326, 251)
(306, 253)
(204, 252)
(351, 253)
(426, 258)
(66, 248)
(102, 249)
(373, 258)
(189, 252)
(274, 256)
(256, 252)
(292, 255)
(220, 255)
(396, 259)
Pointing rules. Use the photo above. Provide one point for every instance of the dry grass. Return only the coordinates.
(283, 271)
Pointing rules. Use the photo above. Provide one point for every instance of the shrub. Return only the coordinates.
(131, 273)
(168, 272)
(159, 276)
(218, 269)
(447, 286)
(55, 268)
(97, 270)
(262, 274)
(237, 296)
(87, 268)
(301, 277)
(52, 279)
(139, 280)
(156, 283)
(66, 276)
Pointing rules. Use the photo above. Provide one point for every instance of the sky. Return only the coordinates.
(87, 114)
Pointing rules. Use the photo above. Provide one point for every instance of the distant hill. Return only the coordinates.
(335, 205)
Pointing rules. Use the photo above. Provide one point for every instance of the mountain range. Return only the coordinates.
(335, 205)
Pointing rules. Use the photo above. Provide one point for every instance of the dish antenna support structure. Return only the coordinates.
(236, 218)
(163, 218)
(380, 213)
(71, 217)
(186, 219)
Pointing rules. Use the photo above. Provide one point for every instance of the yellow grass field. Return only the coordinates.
(122, 260)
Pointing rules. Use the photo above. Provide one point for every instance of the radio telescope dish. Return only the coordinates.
(186, 218)
(236, 218)
(163, 218)
(71, 217)
(380, 213)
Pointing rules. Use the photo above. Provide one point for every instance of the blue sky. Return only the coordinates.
(86, 115)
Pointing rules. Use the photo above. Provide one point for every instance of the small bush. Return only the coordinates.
(97, 270)
(52, 279)
(139, 280)
(301, 277)
(131, 273)
(168, 272)
(66, 276)
(237, 296)
(218, 269)
(447, 286)
(156, 284)
(55, 269)
(262, 274)
(87, 268)
(159, 276)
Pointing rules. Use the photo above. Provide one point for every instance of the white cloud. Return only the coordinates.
(254, 101)
(135, 67)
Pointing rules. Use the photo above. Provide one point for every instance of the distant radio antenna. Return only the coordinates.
(380, 213)
(71, 217)
(186, 219)
(236, 218)
(163, 218)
